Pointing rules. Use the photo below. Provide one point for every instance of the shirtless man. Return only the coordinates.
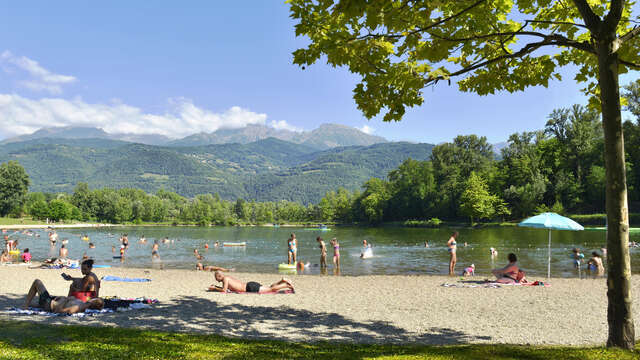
(59, 304)
(233, 284)
(87, 286)
(154, 250)
(323, 252)
(64, 252)
(201, 267)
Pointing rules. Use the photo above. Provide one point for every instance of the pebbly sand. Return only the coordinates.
(364, 309)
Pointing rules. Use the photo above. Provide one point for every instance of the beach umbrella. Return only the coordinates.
(550, 221)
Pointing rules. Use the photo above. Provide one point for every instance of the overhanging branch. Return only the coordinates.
(591, 20)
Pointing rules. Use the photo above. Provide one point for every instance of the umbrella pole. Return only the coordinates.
(549, 262)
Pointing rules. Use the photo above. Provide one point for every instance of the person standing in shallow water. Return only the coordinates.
(323, 252)
(451, 244)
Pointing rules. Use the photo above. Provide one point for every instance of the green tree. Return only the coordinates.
(476, 202)
(400, 47)
(60, 210)
(14, 184)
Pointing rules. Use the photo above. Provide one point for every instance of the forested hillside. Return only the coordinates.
(268, 169)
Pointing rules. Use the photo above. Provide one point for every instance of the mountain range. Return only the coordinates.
(324, 137)
(254, 163)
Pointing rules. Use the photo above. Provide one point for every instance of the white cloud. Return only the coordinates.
(283, 125)
(367, 129)
(20, 115)
(40, 79)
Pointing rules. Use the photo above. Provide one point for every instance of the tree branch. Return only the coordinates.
(555, 23)
(612, 19)
(628, 36)
(430, 26)
(629, 64)
(591, 20)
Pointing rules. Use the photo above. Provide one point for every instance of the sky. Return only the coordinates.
(178, 68)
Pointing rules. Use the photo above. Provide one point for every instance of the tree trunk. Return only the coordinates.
(619, 314)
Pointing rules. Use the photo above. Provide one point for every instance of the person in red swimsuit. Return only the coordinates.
(86, 287)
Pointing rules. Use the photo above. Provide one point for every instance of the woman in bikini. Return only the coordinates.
(292, 245)
(509, 273)
(336, 252)
(451, 244)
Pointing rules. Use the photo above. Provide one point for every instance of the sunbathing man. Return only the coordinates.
(85, 287)
(233, 284)
(199, 266)
(59, 304)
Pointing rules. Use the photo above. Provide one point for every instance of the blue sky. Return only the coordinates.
(178, 68)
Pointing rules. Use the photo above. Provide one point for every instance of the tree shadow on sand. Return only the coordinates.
(197, 315)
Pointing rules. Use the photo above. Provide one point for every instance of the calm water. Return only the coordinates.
(396, 250)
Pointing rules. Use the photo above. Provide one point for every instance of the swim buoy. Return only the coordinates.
(287, 266)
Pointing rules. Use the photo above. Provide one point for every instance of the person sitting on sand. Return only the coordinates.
(232, 284)
(4, 257)
(59, 304)
(509, 273)
(469, 271)
(84, 287)
(201, 267)
(26, 256)
(594, 265)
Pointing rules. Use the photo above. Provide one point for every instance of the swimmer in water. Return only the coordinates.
(197, 254)
(154, 250)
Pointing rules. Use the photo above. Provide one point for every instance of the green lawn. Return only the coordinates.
(21, 221)
(24, 340)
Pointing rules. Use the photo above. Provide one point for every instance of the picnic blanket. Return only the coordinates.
(123, 279)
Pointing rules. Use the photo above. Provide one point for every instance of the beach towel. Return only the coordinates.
(38, 311)
(492, 285)
(124, 279)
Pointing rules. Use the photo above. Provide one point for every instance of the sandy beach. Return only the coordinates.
(365, 309)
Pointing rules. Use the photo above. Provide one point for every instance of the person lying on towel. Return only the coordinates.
(509, 274)
(59, 304)
(86, 287)
(232, 284)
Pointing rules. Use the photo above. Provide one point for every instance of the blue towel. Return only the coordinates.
(117, 278)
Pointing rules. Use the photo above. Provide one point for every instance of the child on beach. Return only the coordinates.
(336, 252)
(26, 256)
(5, 258)
(469, 271)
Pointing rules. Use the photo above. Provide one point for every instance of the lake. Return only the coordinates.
(396, 250)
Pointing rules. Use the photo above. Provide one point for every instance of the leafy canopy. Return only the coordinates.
(399, 47)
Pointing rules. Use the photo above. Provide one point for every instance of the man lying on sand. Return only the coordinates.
(233, 284)
(59, 304)
(199, 266)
